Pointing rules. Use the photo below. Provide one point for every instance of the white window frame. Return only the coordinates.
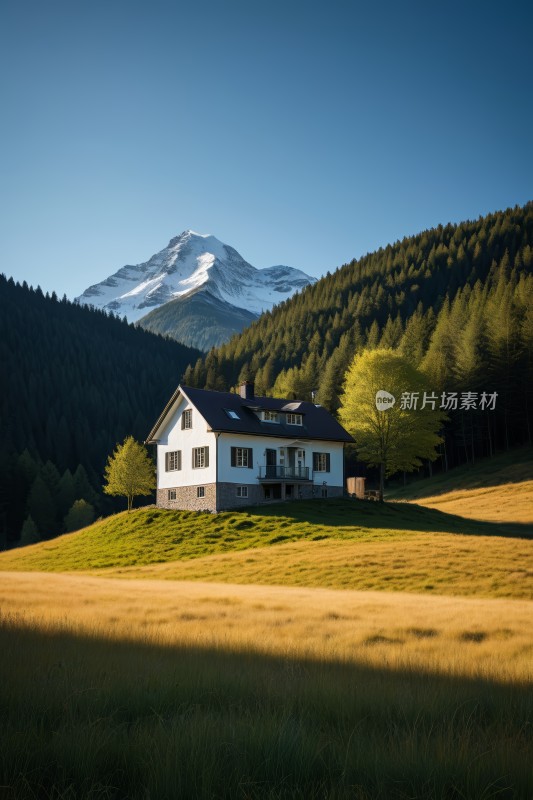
(242, 491)
(294, 419)
(173, 461)
(271, 416)
(172, 494)
(200, 491)
(322, 460)
(199, 457)
(186, 419)
(241, 457)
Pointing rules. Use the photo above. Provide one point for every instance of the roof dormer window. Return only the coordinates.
(294, 419)
(270, 416)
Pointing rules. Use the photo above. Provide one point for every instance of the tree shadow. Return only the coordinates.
(191, 721)
(399, 515)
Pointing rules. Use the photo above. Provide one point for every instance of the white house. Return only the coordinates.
(219, 450)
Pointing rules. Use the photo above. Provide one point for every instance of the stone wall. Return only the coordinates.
(187, 499)
(226, 496)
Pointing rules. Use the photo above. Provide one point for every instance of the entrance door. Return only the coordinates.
(300, 463)
(270, 463)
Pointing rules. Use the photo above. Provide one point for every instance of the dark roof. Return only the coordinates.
(318, 423)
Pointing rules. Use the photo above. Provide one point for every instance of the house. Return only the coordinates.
(220, 450)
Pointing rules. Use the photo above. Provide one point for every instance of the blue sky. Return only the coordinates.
(299, 132)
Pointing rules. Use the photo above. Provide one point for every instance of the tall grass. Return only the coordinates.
(471, 637)
(86, 717)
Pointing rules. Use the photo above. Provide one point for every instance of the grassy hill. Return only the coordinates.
(345, 544)
(496, 489)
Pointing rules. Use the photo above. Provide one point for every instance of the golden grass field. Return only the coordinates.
(489, 638)
(510, 502)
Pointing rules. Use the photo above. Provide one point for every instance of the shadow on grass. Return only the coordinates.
(514, 467)
(388, 515)
(90, 717)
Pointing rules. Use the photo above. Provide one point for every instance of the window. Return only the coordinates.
(294, 419)
(173, 460)
(242, 491)
(186, 419)
(270, 416)
(200, 457)
(171, 494)
(321, 462)
(231, 414)
(200, 491)
(242, 457)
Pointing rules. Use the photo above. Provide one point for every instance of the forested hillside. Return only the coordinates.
(456, 300)
(74, 382)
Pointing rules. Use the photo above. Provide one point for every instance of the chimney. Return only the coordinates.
(246, 390)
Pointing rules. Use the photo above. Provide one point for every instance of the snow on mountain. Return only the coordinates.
(190, 261)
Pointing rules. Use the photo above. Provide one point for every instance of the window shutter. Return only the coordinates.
(179, 459)
(250, 458)
(315, 461)
(166, 462)
(233, 456)
(193, 454)
(206, 449)
(327, 462)
(182, 421)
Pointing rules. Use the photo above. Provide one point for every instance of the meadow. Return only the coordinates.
(311, 650)
(498, 490)
(154, 689)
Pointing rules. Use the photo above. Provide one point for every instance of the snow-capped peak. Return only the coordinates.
(189, 262)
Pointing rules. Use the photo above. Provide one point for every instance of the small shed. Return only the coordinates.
(356, 487)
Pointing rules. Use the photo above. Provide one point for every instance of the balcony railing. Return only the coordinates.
(284, 473)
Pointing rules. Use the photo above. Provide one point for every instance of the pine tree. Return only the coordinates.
(41, 508)
(29, 533)
(80, 515)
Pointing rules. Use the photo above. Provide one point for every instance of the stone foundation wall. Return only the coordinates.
(226, 496)
(187, 500)
(333, 491)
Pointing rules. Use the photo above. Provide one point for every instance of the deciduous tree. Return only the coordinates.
(399, 437)
(129, 471)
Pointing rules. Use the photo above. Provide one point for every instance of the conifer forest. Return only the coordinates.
(74, 383)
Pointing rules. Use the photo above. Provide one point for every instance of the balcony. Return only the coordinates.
(278, 473)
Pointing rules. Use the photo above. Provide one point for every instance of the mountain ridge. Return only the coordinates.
(191, 262)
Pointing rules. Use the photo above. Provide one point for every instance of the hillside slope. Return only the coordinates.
(498, 489)
(341, 544)
(455, 301)
(198, 320)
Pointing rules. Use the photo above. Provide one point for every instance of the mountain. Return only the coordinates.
(197, 290)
